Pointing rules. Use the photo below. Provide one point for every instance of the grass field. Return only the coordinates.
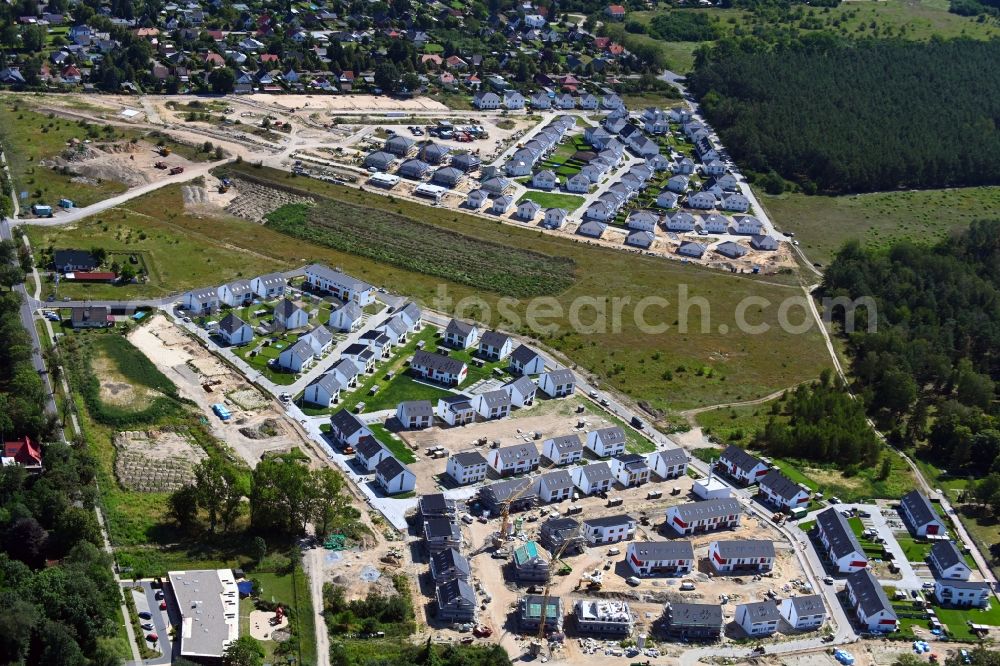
(393, 443)
(30, 137)
(291, 590)
(553, 200)
(403, 388)
(957, 620)
(823, 224)
(172, 245)
(666, 369)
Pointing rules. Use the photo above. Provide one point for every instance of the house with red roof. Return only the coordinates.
(601, 43)
(615, 12)
(268, 57)
(71, 74)
(22, 452)
(214, 60)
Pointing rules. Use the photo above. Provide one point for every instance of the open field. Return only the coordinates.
(553, 200)
(823, 224)
(291, 591)
(170, 241)
(667, 369)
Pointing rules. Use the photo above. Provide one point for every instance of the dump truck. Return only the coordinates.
(176, 170)
(160, 165)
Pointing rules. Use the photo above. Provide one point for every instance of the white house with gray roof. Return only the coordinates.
(758, 618)
(781, 492)
(269, 286)
(456, 410)
(741, 555)
(346, 318)
(557, 383)
(870, 604)
(492, 404)
(448, 564)
(346, 371)
(606, 442)
(630, 469)
(554, 218)
(438, 367)
(920, 514)
(838, 539)
(341, 285)
(962, 593)
(804, 613)
(521, 391)
(347, 429)
(460, 334)
(324, 391)
(743, 467)
(545, 179)
(563, 450)
(948, 561)
(393, 477)
(706, 516)
(288, 316)
(495, 346)
(234, 330)
(608, 529)
(555, 486)
(369, 452)
(202, 301)
(660, 558)
(514, 459)
(236, 293)
(668, 463)
(526, 361)
(467, 467)
(593, 479)
(415, 414)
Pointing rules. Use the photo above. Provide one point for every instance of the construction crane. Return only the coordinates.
(567, 540)
(501, 534)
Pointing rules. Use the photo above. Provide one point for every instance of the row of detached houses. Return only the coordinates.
(523, 161)
(512, 100)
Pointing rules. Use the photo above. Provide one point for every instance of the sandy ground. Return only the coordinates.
(261, 627)
(191, 367)
(347, 102)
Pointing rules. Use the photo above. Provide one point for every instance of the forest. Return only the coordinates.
(805, 109)
(925, 359)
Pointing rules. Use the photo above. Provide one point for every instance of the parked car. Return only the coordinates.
(145, 615)
(147, 626)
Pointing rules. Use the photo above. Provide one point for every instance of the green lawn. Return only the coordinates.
(171, 244)
(404, 387)
(915, 551)
(822, 224)
(792, 471)
(393, 443)
(553, 200)
(957, 620)
(291, 590)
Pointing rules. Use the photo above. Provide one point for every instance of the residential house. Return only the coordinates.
(528, 564)
(379, 160)
(269, 286)
(434, 153)
(758, 618)
(495, 346)
(527, 210)
(393, 477)
(683, 167)
(870, 604)
(529, 617)
(679, 184)
(668, 463)
(731, 250)
(735, 203)
(476, 198)
(95, 316)
(680, 221)
(541, 101)
(22, 452)
(398, 145)
(306, 349)
(588, 102)
(742, 466)
(555, 486)
(556, 531)
(465, 162)
(557, 383)
(545, 180)
(640, 239)
(323, 391)
(920, 514)
(202, 301)
(486, 101)
(766, 243)
(693, 621)
(526, 361)
(691, 249)
(346, 318)
(667, 199)
(838, 539)
(496, 185)
(236, 293)
(705, 516)
(804, 613)
(554, 218)
(346, 371)
(660, 558)
(288, 316)
(642, 220)
(456, 410)
(593, 479)
(592, 228)
(563, 450)
(948, 561)
(702, 200)
(715, 224)
(514, 459)
(630, 469)
(962, 593)
(439, 368)
(461, 335)
(609, 529)
(578, 184)
(606, 442)
(456, 601)
(341, 285)
(448, 564)
(521, 391)
(415, 414)
(347, 429)
(512, 100)
(748, 224)
(363, 354)
(414, 169)
(518, 494)
(501, 204)
(781, 492)
(234, 330)
(741, 556)
(492, 404)
(603, 616)
(70, 261)
(467, 467)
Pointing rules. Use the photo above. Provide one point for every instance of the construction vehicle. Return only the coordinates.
(164, 151)
(176, 170)
(224, 185)
(501, 535)
(160, 164)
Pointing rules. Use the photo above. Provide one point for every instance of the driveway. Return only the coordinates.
(146, 601)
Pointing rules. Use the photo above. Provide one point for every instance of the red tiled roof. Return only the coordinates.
(23, 451)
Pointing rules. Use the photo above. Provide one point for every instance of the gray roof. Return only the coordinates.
(919, 507)
(346, 367)
(557, 480)
(745, 548)
(338, 277)
(379, 159)
(301, 349)
(390, 468)
(465, 161)
(763, 611)
(457, 402)
(611, 435)
(231, 323)
(517, 452)
(271, 279)
(740, 458)
(448, 175)
(561, 376)
(285, 308)
(239, 287)
(493, 339)
(690, 247)
(436, 504)
(351, 310)
(438, 362)
(693, 511)
(780, 484)
(345, 422)
(632, 461)
(870, 595)
(838, 532)
(455, 592)
(810, 604)
(565, 443)
(965, 584)
(441, 528)
(398, 144)
(417, 408)
(458, 327)
(523, 385)
(434, 151)
(502, 490)
(329, 383)
(947, 554)
(595, 472)
(496, 398)
(369, 447)
(449, 561)
(763, 242)
(731, 249)
(695, 615)
(609, 521)
(670, 457)
(664, 550)
(469, 458)
(640, 238)
(413, 167)
(592, 228)
(320, 336)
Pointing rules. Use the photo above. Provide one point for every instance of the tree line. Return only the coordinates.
(924, 355)
(836, 115)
